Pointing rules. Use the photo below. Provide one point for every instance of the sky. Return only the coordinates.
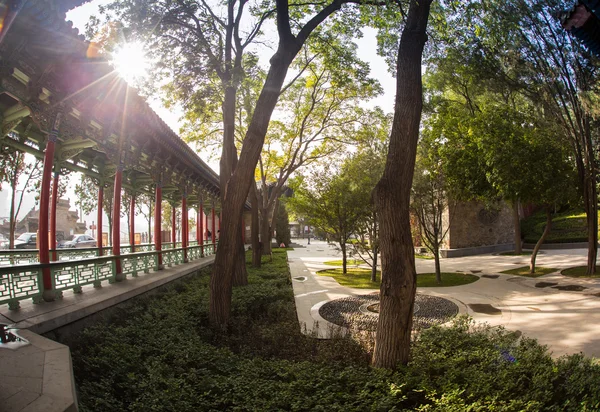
(367, 50)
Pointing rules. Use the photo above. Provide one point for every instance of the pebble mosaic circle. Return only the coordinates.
(361, 311)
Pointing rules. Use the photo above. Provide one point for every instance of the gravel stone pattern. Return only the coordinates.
(350, 312)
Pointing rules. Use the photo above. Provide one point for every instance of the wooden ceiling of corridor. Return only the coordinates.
(45, 69)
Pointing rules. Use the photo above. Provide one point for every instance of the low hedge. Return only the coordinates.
(158, 353)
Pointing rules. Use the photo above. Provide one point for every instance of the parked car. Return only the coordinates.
(78, 241)
(3, 242)
(27, 240)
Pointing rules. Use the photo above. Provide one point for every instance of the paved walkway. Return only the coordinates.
(568, 322)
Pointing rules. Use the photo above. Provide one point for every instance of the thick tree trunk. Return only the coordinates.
(238, 186)
(392, 198)
(540, 242)
(517, 227)
(240, 276)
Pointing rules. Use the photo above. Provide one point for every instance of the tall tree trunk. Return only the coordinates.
(438, 270)
(374, 248)
(517, 227)
(255, 227)
(128, 224)
(109, 230)
(273, 216)
(541, 240)
(591, 210)
(392, 198)
(265, 231)
(374, 267)
(240, 276)
(238, 186)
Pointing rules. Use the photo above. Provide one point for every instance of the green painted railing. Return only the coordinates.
(24, 280)
(20, 256)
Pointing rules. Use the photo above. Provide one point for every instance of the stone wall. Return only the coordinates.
(66, 220)
(472, 225)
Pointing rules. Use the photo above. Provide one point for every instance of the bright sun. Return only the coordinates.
(131, 62)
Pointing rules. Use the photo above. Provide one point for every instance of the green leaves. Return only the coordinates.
(158, 353)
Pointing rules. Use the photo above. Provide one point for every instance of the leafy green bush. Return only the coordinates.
(158, 353)
(567, 227)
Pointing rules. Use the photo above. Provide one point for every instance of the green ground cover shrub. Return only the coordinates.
(158, 353)
(567, 227)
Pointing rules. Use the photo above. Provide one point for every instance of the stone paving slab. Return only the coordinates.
(37, 377)
(568, 322)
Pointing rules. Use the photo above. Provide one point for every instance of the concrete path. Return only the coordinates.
(568, 322)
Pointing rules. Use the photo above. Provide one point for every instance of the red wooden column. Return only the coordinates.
(198, 228)
(44, 255)
(116, 224)
(53, 216)
(157, 222)
(214, 234)
(173, 225)
(201, 218)
(184, 226)
(99, 244)
(132, 223)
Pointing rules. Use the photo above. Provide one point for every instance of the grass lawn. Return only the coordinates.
(419, 256)
(524, 271)
(354, 262)
(515, 254)
(355, 278)
(579, 272)
(361, 278)
(349, 262)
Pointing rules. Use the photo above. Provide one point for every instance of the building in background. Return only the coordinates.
(67, 222)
